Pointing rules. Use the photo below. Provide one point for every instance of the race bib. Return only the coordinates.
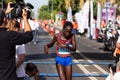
(63, 51)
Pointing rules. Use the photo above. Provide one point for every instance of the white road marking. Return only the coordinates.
(84, 70)
(98, 67)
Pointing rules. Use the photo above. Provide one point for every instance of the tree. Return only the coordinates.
(6, 1)
(95, 8)
(81, 3)
(55, 6)
(118, 7)
(102, 2)
(43, 12)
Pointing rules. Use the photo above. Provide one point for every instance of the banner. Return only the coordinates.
(82, 17)
(98, 15)
(85, 11)
(69, 14)
(80, 21)
(108, 13)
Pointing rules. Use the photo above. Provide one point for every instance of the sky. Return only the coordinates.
(37, 4)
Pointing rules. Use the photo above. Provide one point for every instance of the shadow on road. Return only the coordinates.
(90, 55)
(94, 55)
(39, 56)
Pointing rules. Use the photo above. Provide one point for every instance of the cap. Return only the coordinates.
(118, 64)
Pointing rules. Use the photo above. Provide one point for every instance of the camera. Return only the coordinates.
(12, 5)
(17, 9)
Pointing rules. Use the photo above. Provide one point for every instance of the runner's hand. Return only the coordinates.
(46, 49)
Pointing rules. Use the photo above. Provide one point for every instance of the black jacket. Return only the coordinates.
(8, 41)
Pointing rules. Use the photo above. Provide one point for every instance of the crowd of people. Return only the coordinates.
(111, 39)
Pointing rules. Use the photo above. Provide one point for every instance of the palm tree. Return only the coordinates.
(82, 3)
(102, 2)
(58, 4)
(67, 4)
(118, 7)
(3, 3)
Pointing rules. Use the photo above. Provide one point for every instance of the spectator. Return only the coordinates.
(116, 53)
(13, 25)
(65, 42)
(8, 42)
(117, 74)
(34, 27)
(103, 25)
(112, 69)
(75, 26)
(31, 70)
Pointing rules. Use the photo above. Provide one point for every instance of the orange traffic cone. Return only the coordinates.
(51, 31)
(43, 26)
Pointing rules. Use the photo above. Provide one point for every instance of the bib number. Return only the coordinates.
(63, 51)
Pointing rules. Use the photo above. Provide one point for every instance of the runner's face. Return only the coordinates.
(67, 31)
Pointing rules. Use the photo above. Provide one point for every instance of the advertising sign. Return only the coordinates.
(108, 13)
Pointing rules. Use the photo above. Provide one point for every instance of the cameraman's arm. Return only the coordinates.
(9, 9)
(26, 23)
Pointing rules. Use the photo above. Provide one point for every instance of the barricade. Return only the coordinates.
(75, 74)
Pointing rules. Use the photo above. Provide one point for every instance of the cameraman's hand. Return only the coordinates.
(24, 14)
(9, 9)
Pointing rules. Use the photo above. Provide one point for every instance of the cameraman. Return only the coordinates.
(8, 41)
(112, 70)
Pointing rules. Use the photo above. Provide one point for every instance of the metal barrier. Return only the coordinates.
(87, 63)
(74, 75)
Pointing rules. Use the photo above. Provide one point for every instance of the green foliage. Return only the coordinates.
(95, 8)
(9, 1)
(118, 2)
(43, 12)
(118, 8)
(55, 6)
